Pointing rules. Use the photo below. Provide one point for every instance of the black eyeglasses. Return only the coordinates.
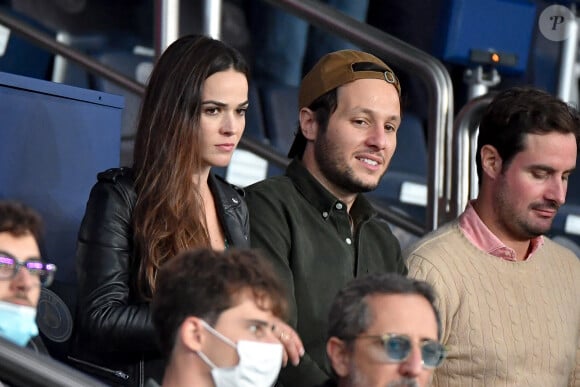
(9, 267)
(398, 349)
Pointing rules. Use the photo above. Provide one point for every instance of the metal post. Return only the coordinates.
(479, 81)
(166, 24)
(60, 63)
(464, 141)
(212, 18)
(568, 60)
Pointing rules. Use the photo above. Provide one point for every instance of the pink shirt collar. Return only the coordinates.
(480, 235)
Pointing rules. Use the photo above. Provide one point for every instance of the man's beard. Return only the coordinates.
(337, 171)
(516, 222)
(358, 379)
(405, 382)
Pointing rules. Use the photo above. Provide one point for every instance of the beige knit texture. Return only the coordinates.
(504, 323)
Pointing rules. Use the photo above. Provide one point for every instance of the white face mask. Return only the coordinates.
(259, 363)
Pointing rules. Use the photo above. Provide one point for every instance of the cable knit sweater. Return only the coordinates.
(504, 323)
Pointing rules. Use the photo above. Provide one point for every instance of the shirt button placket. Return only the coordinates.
(339, 206)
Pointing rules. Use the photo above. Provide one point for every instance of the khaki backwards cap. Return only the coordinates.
(334, 70)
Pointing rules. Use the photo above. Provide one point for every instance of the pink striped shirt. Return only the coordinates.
(480, 235)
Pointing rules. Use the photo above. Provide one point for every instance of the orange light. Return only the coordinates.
(495, 57)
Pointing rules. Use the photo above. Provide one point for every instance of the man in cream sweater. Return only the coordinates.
(509, 297)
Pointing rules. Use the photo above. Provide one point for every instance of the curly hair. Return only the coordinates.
(18, 219)
(204, 283)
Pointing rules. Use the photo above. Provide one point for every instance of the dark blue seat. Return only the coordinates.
(23, 57)
(255, 116)
(280, 108)
(404, 186)
(53, 140)
(136, 67)
(493, 26)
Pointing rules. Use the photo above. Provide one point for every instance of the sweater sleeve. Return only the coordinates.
(271, 235)
(110, 320)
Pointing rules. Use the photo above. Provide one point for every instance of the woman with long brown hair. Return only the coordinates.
(191, 119)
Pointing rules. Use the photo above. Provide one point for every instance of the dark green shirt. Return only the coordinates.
(305, 231)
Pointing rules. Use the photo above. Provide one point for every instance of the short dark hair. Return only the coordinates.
(18, 219)
(203, 283)
(350, 314)
(516, 112)
(322, 107)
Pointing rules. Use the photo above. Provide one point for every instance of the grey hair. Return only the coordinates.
(350, 314)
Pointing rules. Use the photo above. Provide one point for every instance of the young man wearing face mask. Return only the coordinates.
(214, 315)
(22, 273)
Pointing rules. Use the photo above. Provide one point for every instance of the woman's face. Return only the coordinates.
(224, 102)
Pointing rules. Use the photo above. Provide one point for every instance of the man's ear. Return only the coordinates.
(339, 355)
(491, 162)
(308, 124)
(191, 333)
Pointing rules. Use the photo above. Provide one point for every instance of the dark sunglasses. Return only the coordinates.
(398, 349)
(9, 267)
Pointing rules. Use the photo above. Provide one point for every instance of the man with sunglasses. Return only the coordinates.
(384, 330)
(22, 273)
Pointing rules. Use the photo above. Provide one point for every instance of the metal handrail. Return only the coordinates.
(49, 43)
(568, 56)
(464, 175)
(166, 23)
(429, 69)
(167, 16)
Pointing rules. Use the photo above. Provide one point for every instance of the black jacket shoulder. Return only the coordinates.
(232, 211)
(116, 174)
(116, 181)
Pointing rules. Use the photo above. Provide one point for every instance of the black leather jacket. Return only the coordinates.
(114, 334)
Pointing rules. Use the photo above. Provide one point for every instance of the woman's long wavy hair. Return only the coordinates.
(169, 215)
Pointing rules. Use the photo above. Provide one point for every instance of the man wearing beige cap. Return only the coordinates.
(312, 223)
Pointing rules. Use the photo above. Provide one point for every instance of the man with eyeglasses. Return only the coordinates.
(22, 273)
(384, 330)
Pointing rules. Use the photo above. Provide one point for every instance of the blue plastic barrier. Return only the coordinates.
(53, 140)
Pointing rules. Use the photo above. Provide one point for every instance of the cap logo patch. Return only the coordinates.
(390, 77)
